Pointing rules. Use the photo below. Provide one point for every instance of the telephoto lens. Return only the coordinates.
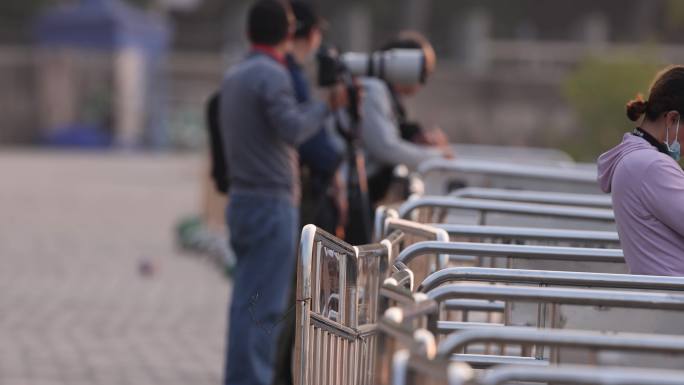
(403, 66)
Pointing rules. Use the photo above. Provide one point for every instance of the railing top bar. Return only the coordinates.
(581, 375)
(547, 197)
(568, 338)
(586, 297)
(473, 166)
(412, 227)
(528, 232)
(564, 278)
(486, 361)
(515, 251)
(451, 326)
(523, 154)
(535, 209)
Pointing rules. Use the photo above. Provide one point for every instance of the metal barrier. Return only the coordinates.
(591, 340)
(584, 297)
(529, 256)
(403, 326)
(559, 278)
(337, 303)
(500, 174)
(555, 297)
(427, 232)
(416, 351)
(489, 206)
(342, 289)
(543, 197)
(410, 369)
(551, 253)
(415, 228)
(546, 173)
(576, 375)
(506, 234)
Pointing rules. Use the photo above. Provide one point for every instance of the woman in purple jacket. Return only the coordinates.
(647, 183)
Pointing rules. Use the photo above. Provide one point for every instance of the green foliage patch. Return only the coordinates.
(598, 91)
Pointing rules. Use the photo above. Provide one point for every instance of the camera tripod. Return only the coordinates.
(358, 227)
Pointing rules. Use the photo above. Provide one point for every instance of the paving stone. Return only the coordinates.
(74, 309)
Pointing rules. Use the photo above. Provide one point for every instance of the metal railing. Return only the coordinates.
(420, 358)
(438, 174)
(590, 340)
(558, 278)
(551, 253)
(493, 168)
(575, 375)
(543, 197)
(567, 296)
(489, 206)
(511, 234)
(342, 289)
(337, 303)
(417, 351)
(388, 220)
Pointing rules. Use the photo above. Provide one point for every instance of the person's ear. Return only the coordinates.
(671, 118)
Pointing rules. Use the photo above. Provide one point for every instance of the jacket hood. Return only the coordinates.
(609, 160)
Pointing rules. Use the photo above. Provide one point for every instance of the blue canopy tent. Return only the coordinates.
(114, 27)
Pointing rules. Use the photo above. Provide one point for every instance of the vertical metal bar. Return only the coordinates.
(363, 355)
(316, 275)
(304, 267)
(345, 361)
(325, 357)
(314, 359)
(357, 361)
(541, 322)
(331, 359)
(342, 311)
(317, 358)
(308, 369)
(374, 357)
(334, 357)
(352, 362)
(554, 352)
(338, 372)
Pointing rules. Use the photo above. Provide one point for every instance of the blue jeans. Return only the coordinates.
(263, 234)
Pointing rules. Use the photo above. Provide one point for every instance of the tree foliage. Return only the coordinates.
(598, 91)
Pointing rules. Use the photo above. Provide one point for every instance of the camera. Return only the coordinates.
(397, 66)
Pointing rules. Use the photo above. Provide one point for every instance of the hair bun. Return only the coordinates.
(636, 108)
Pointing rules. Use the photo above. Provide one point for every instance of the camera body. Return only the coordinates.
(399, 66)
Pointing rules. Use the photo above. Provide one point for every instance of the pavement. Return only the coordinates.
(75, 229)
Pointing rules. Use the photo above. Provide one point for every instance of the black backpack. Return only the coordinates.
(219, 165)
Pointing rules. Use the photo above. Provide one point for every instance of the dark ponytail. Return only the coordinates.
(666, 94)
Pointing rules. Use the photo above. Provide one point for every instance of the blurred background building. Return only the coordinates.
(522, 72)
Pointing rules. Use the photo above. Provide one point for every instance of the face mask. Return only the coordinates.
(673, 149)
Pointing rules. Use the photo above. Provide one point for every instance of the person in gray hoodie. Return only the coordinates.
(388, 137)
(647, 183)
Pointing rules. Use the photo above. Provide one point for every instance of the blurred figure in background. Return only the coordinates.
(647, 183)
(389, 137)
(319, 159)
(320, 156)
(261, 125)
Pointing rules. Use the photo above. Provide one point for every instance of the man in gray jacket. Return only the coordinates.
(261, 127)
